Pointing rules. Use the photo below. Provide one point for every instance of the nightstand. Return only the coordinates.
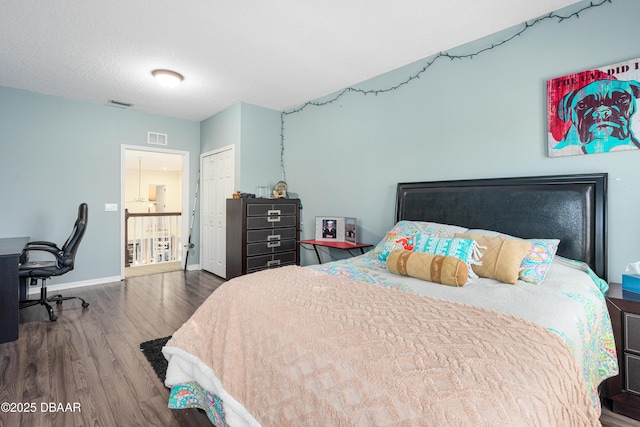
(623, 390)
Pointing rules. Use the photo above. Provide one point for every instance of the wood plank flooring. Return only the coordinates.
(91, 357)
(89, 360)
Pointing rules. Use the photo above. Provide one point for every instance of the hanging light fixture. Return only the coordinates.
(167, 78)
(139, 199)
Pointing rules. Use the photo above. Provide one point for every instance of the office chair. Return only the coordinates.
(43, 270)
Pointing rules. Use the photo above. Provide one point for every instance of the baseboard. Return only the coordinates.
(33, 290)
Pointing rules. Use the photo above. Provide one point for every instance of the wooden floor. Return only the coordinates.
(90, 359)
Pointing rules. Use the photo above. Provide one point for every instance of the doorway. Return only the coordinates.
(154, 217)
(217, 180)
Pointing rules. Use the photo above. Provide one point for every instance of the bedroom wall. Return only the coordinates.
(462, 119)
(260, 147)
(221, 130)
(255, 133)
(56, 153)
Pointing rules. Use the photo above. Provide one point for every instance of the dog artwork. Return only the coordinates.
(599, 116)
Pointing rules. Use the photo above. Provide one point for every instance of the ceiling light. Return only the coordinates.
(167, 78)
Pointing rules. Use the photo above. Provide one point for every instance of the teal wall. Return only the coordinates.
(221, 130)
(56, 153)
(255, 134)
(260, 154)
(468, 118)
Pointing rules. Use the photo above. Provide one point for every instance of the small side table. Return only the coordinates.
(334, 245)
(623, 390)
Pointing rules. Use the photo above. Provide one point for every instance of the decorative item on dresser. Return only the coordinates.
(623, 390)
(261, 234)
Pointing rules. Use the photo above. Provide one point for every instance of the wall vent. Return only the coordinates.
(120, 103)
(156, 138)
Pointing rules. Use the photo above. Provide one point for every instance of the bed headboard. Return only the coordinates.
(572, 208)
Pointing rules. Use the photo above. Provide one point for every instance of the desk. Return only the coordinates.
(10, 250)
(334, 245)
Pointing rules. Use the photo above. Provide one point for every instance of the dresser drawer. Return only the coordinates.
(269, 235)
(272, 247)
(262, 262)
(631, 332)
(271, 209)
(256, 222)
(632, 373)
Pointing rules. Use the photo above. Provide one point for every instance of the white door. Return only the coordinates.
(217, 186)
(161, 198)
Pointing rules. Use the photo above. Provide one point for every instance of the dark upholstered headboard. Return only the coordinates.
(572, 208)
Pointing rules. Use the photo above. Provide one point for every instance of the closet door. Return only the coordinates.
(217, 172)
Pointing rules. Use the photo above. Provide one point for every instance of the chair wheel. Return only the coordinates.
(53, 317)
(58, 302)
(85, 304)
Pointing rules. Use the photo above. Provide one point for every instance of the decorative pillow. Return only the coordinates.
(447, 270)
(501, 258)
(535, 264)
(407, 229)
(393, 242)
(463, 249)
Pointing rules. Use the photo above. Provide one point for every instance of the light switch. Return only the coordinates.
(110, 207)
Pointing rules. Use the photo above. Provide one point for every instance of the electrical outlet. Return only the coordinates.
(110, 207)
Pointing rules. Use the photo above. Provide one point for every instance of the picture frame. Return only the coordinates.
(330, 228)
(336, 229)
(350, 230)
(592, 111)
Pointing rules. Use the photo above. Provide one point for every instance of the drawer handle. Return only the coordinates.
(273, 244)
(273, 212)
(273, 219)
(273, 237)
(273, 262)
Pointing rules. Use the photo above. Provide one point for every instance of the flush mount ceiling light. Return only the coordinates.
(167, 78)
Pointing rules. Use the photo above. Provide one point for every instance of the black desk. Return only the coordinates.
(10, 249)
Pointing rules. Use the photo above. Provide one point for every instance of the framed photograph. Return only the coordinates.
(336, 229)
(350, 230)
(594, 111)
(330, 228)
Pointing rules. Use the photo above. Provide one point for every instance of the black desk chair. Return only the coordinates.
(64, 262)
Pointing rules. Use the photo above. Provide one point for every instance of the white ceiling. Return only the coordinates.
(277, 54)
(152, 160)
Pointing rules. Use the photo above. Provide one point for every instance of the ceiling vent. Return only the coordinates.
(155, 138)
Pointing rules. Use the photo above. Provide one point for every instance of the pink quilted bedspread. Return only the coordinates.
(297, 347)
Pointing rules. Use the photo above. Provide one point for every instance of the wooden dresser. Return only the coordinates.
(623, 390)
(262, 233)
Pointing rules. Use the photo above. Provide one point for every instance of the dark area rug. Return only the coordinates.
(152, 350)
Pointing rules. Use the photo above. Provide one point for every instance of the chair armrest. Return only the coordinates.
(54, 251)
(40, 243)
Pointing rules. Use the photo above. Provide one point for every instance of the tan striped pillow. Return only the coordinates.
(447, 270)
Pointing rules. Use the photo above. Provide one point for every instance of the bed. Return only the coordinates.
(364, 342)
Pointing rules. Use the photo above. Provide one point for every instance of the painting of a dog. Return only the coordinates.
(593, 112)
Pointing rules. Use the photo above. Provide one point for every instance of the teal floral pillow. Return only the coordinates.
(400, 236)
(466, 250)
(396, 241)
